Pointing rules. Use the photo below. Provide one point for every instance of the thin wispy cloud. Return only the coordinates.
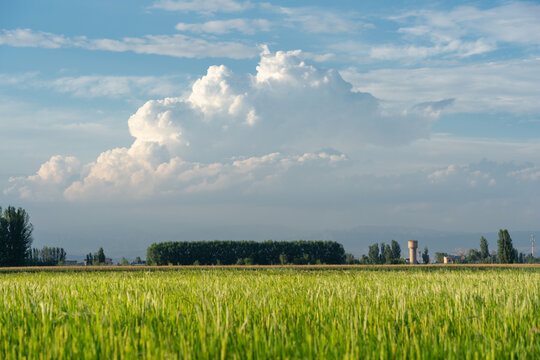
(31, 38)
(462, 32)
(509, 86)
(203, 6)
(177, 45)
(220, 27)
(318, 20)
(98, 86)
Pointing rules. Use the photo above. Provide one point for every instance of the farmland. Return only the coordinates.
(339, 313)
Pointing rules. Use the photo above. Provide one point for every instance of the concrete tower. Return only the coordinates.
(413, 245)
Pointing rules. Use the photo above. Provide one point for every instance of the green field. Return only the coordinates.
(271, 313)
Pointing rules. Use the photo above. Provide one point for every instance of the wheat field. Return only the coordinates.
(272, 313)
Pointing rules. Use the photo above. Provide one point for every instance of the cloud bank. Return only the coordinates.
(230, 131)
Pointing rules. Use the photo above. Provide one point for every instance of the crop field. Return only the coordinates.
(271, 313)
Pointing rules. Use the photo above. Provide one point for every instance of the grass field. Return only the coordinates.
(445, 313)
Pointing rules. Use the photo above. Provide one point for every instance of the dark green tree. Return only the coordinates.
(373, 254)
(15, 237)
(396, 250)
(484, 249)
(99, 257)
(505, 252)
(388, 254)
(425, 256)
(89, 259)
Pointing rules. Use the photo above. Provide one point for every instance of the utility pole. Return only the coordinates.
(532, 245)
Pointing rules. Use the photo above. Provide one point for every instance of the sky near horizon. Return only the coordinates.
(124, 123)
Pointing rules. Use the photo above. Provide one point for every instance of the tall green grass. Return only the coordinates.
(268, 314)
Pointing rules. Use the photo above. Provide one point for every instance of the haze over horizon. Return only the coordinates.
(128, 123)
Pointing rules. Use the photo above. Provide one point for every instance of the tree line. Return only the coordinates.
(48, 256)
(505, 253)
(268, 252)
(385, 254)
(16, 240)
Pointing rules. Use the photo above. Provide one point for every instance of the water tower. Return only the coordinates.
(413, 245)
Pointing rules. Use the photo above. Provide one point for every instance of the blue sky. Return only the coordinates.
(291, 117)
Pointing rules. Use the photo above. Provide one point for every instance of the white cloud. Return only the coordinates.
(173, 45)
(140, 172)
(454, 47)
(433, 109)
(440, 174)
(468, 175)
(213, 94)
(153, 123)
(30, 38)
(91, 86)
(529, 174)
(247, 130)
(202, 6)
(246, 26)
(510, 86)
(96, 86)
(458, 33)
(178, 45)
(47, 183)
(316, 20)
(513, 22)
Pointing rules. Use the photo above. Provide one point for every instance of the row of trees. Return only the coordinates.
(505, 254)
(48, 256)
(386, 254)
(245, 252)
(98, 258)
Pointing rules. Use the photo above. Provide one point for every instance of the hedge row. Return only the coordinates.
(245, 252)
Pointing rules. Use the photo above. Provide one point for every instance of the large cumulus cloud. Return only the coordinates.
(234, 130)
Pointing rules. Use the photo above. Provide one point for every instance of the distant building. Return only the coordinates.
(70, 262)
(449, 259)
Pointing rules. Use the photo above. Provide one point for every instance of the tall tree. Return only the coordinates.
(484, 250)
(100, 256)
(396, 250)
(382, 254)
(373, 253)
(15, 237)
(425, 256)
(388, 255)
(505, 252)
